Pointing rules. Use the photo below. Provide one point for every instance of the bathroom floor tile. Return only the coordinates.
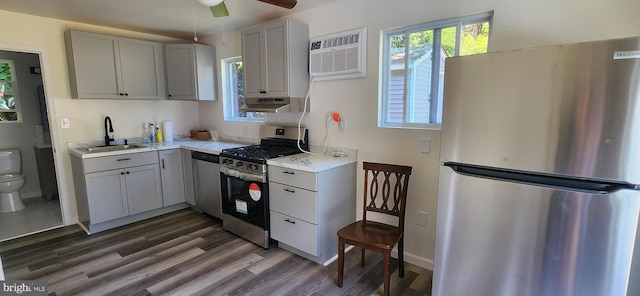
(38, 214)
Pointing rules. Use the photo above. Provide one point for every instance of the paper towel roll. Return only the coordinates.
(167, 131)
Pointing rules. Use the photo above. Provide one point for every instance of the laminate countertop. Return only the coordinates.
(211, 147)
(313, 163)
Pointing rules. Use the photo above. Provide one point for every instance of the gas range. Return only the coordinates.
(276, 141)
(244, 186)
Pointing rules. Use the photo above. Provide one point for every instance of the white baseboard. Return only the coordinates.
(414, 259)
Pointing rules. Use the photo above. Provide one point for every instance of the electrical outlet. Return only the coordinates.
(425, 145)
(422, 218)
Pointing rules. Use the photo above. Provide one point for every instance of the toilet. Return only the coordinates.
(10, 181)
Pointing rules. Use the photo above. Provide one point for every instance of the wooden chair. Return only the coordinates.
(385, 192)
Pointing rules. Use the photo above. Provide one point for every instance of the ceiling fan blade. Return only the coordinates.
(219, 10)
(282, 3)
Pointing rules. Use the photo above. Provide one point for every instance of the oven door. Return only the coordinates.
(245, 197)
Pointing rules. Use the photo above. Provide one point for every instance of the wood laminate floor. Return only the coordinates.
(188, 253)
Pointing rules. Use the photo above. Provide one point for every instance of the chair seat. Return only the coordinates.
(379, 235)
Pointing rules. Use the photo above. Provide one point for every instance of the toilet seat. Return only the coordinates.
(10, 177)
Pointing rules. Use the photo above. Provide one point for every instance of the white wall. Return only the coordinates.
(46, 36)
(22, 135)
(517, 24)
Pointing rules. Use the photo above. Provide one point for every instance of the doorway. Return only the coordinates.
(29, 132)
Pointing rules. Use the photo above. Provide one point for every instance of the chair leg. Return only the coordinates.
(387, 273)
(362, 257)
(340, 261)
(401, 256)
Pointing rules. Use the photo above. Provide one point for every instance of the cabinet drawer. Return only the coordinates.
(301, 179)
(120, 161)
(292, 201)
(294, 232)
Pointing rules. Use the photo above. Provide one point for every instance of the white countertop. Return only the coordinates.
(312, 163)
(212, 147)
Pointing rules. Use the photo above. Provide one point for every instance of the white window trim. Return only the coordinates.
(385, 37)
(226, 93)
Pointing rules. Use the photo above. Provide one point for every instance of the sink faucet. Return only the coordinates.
(107, 139)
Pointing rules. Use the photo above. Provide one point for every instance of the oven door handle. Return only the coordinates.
(229, 172)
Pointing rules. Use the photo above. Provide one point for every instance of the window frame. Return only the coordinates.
(14, 86)
(228, 94)
(385, 77)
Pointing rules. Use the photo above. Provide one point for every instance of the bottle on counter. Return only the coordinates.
(145, 133)
(152, 134)
(159, 135)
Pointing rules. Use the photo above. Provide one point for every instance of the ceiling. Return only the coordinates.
(173, 18)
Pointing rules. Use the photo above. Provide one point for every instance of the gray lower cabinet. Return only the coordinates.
(112, 191)
(172, 175)
(189, 186)
(307, 209)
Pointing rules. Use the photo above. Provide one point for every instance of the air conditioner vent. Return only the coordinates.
(338, 56)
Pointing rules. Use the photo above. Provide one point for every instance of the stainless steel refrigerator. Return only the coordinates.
(538, 191)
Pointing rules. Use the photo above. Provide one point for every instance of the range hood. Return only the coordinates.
(274, 105)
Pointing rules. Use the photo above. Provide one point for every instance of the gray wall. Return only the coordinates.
(23, 135)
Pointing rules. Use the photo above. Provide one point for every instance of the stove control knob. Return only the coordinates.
(239, 163)
(253, 167)
(227, 161)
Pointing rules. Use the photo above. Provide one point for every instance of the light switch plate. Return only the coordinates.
(425, 145)
(65, 123)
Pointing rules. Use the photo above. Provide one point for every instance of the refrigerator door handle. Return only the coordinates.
(592, 186)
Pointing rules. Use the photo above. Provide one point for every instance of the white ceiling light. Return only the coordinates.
(210, 3)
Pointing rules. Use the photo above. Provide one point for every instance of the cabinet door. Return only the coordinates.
(187, 163)
(144, 191)
(107, 195)
(181, 74)
(171, 171)
(277, 60)
(142, 65)
(94, 64)
(253, 61)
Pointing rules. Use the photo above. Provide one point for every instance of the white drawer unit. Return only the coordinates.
(308, 208)
(297, 233)
(300, 203)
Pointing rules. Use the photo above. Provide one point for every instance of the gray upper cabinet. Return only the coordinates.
(110, 67)
(276, 60)
(191, 71)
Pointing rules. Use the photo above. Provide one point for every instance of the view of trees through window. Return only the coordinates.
(234, 90)
(8, 104)
(413, 72)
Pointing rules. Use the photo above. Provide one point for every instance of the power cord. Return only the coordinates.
(326, 124)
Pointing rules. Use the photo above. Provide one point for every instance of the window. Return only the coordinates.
(9, 107)
(232, 92)
(412, 77)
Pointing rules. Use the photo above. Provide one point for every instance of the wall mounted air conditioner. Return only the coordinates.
(339, 56)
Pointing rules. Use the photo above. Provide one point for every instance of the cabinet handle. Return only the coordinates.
(169, 95)
(122, 173)
(122, 94)
(289, 172)
(263, 91)
(163, 163)
(126, 94)
(127, 173)
(290, 221)
(123, 159)
(289, 190)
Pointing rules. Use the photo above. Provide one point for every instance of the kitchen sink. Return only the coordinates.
(112, 148)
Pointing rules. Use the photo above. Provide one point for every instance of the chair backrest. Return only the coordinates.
(385, 189)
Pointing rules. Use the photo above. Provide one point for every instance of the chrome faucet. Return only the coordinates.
(107, 139)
